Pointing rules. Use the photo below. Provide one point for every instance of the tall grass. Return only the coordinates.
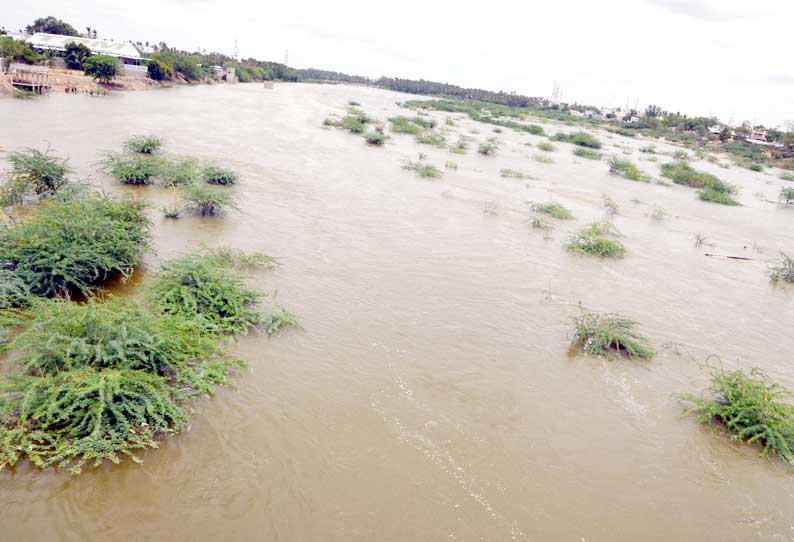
(405, 125)
(423, 169)
(583, 139)
(752, 408)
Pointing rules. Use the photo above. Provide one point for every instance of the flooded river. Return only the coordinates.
(430, 394)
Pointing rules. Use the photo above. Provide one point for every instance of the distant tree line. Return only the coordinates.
(430, 88)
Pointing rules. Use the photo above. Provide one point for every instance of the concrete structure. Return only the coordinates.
(123, 50)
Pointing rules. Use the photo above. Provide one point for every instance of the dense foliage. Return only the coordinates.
(200, 286)
(101, 67)
(72, 247)
(752, 408)
(51, 25)
(143, 144)
(75, 55)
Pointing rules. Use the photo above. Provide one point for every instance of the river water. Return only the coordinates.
(430, 394)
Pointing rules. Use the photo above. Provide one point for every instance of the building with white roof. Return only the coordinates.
(123, 50)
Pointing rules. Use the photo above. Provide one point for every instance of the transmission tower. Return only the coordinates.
(234, 54)
(286, 57)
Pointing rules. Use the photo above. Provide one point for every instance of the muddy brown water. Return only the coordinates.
(430, 394)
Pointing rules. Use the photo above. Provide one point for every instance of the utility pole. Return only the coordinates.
(286, 57)
(234, 54)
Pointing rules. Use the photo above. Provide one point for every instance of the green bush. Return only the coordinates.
(206, 200)
(432, 138)
(13, 290)
(553, 209)
(42, 171)
(423, 169)
(356, 124)
(116, 334)
(786, 196)
(277, 319)
(625, 168)
(587, 153)
(85, 416)
(682, 173)
(218, 175)
(546, 146)
(603, 334)
(200, 286)
(486, 149)
(131, 169)
(405, 125)
(583, 139)
(593, 241)
(158, 71)
(716, 196)
(375, 138)
(75, 246)
(782, 270)
(177, 171)
(751, 407)
(101, 67)
(143, 144)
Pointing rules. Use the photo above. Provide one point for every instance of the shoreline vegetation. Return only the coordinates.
(91, 377)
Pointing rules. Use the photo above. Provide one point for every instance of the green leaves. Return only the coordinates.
(603, 334)
(752, 407)
(71, 247)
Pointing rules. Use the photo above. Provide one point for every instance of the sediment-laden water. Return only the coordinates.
(430, 394)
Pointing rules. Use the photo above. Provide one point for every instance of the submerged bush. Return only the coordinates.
(206, 200)
(587, 153)
(717, 196)
(432, 138)
(131, 169)
(405, 125)
(74, 246)
(277, 319)
(783, 269)
(143, 144)
(423, 169)
(553, 209)
(751, 407)
(510, 173)
(594, 241)
(44, 172)
(177, 171)
(199, 286)
(486, 149)
(32, 173)
(61, 336)
(356, 124)
(682, 173)
(603, 334)
(625, 168)
(375, 138)
(218, 175)
(546, 146)
(82, 417)
(786, 196)
(583, 139)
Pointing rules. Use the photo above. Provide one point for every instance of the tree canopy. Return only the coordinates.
(101, 67)
(75, 56)
(51, 25)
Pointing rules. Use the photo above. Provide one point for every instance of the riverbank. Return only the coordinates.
(61, 79)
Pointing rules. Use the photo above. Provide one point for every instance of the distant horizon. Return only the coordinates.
(694, 57)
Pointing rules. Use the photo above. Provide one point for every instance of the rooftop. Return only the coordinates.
(56, 42)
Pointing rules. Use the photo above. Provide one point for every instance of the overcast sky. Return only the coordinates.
(728, 58)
